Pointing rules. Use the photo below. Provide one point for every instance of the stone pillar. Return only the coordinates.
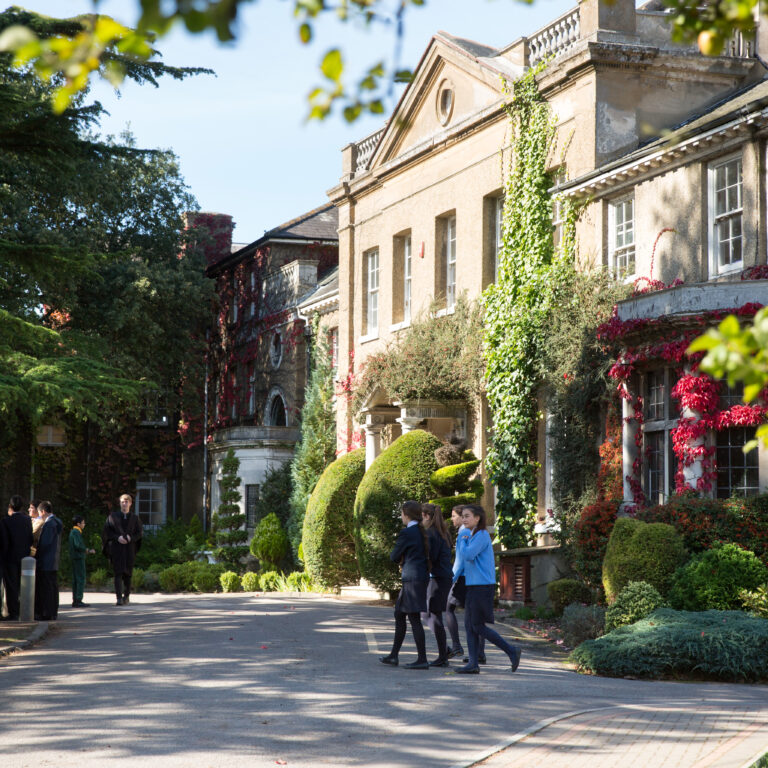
(693, 472)
(599, 16)
(372, 442)
(629, 428)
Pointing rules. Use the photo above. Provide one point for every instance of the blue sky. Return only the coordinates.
(241, 137)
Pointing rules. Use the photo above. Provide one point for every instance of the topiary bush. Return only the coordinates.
(716, 645)
(447, 503)
(714, 578)
(299, 581)
(270, 542)
(250, 582)
(590, 540)
(448, 480)
(269, 581)
(230, 581)
(399, 473)
(563, 592)
(581, 622)
(229, 521)
(636, 601)
(328, 538)
(639, 551)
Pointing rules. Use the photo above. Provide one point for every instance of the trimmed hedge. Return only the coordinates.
(328, 537)
(399, 473)
(563, 592)
(270, 541)
(448, 480)
(639, 551)
(230, 581)
(716, 645)
(636, 601)
(447, 503)
(713, 579)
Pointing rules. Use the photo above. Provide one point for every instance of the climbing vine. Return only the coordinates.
(516, 309)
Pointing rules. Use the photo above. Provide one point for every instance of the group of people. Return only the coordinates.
(433, 586)
(36, 532)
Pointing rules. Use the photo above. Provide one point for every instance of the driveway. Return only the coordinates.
(246, 680)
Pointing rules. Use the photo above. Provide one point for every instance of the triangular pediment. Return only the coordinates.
(455, 81)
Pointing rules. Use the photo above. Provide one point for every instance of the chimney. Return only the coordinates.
(211, 232)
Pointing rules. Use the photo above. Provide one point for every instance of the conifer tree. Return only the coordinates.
(229, 522)
(317, 446)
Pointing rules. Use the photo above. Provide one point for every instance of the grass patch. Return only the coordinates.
(710, 645)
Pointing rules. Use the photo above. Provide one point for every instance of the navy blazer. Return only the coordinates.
(49, 544)
(410, 547)
(439, 555)
(18, 536)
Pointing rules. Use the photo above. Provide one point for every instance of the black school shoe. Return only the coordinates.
(389, 660)
(440, 662)
(81, 604)
(467, 670)
(417, 665)
(516, 660)
(454, 652)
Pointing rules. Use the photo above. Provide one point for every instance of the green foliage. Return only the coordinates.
(447, 503)
(581, 622)
(151, 581)
(715, 645)
(636, 601)
(167, 545)
(329, 534)
(563, 592)
(639, 551)
(194, 576)
(137, 580)
(516, 310)
(454, 478)
(399, 473)
(317, 445)
(274, 494)
(229, 522)
(230, 581)
(298, 581)
(270, 542)
(713, 579)
(589, 540)
(755, 601)
(100, 577)
(269, 581)
(250, 582)
(435, 358)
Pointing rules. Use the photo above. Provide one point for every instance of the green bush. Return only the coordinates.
(399, 473)
(714, 578)
(447, 503)
(173, 578)
(717, 645)
(194, 576)
(100, 577)
(448, 480)
(328, 538)
(640, 551)
(636, 601)
(250, 582)
(270, 542)
(756, 601)
(151, 581)
(230, 581)
(581, 622)
(137, 580)
(228, 523)
(167, 545)
(299, 581)
(563, 592)
(269, 581)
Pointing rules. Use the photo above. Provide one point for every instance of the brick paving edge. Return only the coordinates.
(39, 632)
(535, 728)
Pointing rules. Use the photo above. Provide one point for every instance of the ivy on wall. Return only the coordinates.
(516, 308)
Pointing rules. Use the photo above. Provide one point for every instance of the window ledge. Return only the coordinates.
(445, 311)
(369, 337)
(399, 326)
(731, 269)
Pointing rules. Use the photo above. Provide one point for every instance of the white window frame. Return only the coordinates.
(449, 256)
(618, 233)
(371, 275)
(407, 264)
(660, 424)
(498, 218)
(153, 488)
(719, 217)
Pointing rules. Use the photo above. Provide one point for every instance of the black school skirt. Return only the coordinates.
(437, 594)
(478, 605)
(412, 597)
(457, 593)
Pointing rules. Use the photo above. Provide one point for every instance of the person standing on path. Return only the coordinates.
(37, 523)
(121, 538)
(77, 553)
(47, 569)
(440, 577)
(412, 550)
(474, 555)
(18, 537)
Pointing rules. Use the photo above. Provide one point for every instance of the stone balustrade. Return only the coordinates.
(556, 38)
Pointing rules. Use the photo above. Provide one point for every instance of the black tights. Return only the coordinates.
(435, 622)
(452, 625)
(418, 634)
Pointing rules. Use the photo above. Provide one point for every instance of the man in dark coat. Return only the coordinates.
(17, 530)
(122, 540)
(47, 567)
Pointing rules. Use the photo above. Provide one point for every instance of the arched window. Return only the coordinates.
(275, 411)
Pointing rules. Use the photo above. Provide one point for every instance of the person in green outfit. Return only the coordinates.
(77, 553)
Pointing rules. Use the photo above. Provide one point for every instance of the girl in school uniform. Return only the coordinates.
(440, 577)
(474, 553)
(412, 550)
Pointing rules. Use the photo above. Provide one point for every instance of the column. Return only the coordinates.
(372, 441)
(629, 428)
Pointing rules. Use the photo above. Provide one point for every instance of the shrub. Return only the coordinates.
(756, 602)
(270, 541)
(175, 542)
(640, 551)
(448, 480)
(714, 578)
(717, 645)
(137, 580)
(447, 503)
(581, 622)
(192, 576)
(269, 581)
(299, 581)
(590, 540)
(401, 472)
(173, 578)
(328, 539)
(636, 601)
(151, 581)
(229, 522)
(566, 591)
(230, 581)
(99, 577)
(250, 582)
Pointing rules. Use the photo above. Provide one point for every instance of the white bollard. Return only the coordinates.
(27, 590)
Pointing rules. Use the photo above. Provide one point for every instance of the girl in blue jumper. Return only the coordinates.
(474, 558)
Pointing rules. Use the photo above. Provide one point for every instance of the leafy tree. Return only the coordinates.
(275, 494)
(317, 446)
(229, 522)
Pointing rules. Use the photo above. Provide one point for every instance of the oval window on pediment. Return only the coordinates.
(445, 101)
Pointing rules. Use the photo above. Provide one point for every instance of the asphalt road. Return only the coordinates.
(246, 680)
